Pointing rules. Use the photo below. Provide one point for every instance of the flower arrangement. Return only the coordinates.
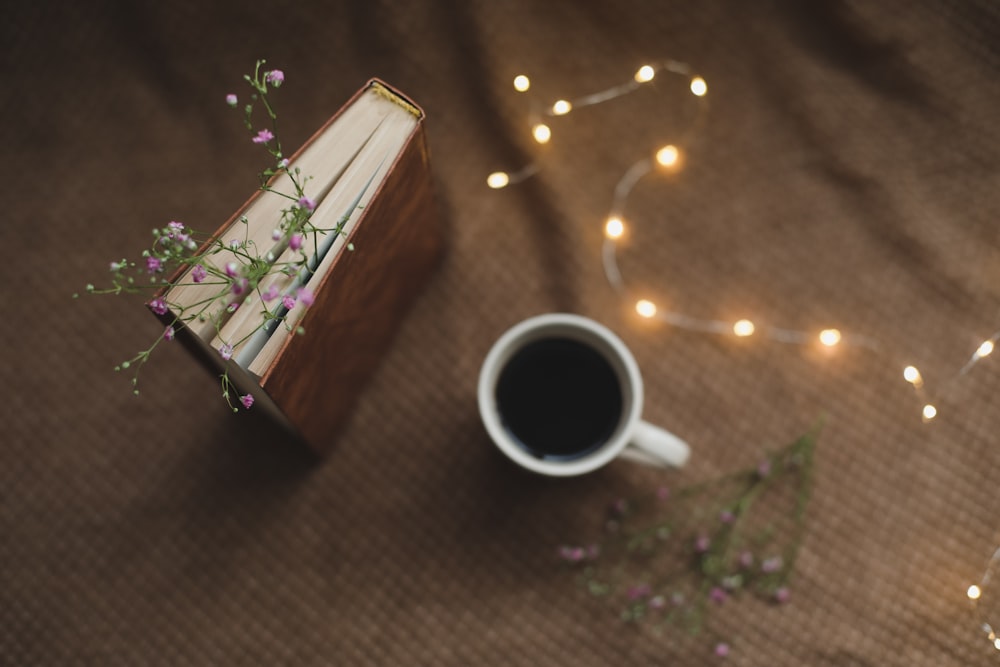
(670, 558)
(228, 271)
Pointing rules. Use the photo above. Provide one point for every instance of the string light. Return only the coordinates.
(829, 337)
(614, 228)
(670, 158)
(975, 594)
(542, 133)
(645, 308)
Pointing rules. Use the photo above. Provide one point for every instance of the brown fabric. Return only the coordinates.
(846, 176)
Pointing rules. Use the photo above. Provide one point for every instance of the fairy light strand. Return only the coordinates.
(671, 158)
(975, 593)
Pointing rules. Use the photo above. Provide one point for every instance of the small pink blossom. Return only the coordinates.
(226, 351)
(283, 163)
(175, 227)
(232, 269)
(158, 306)
(153, 264)
(198, 273)
(639, 592)
(233, 307)
(702, 544)
(782, 594)
(263, 136)
(246, 400)
(726, 516)
(307, 203)
(271, 294)
(288, 301)
(275, 77)
(239, 286)
(772, 564)
(571, 554)
(722, 649)
(746, 559)
(657, 602)
(306, 297)
(295, 242)
(168, 333)
(231, 100)
(718, 595)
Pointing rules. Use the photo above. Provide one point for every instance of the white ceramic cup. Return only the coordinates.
(632, 438)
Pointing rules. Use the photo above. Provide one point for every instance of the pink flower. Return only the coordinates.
(275, 77)
(639, 592)
(307, 203)
(175, 227)
(702, 544)
(198, 273)
(232, 269)
(746, 559)
(295, 242)
(231, 100)
(722, 649)
(271, 294)
(239, 286)
(288, 301)
(246, 400)
(168, 333)
(226, 351)
(718, 595)
(782, 594)
(772, 564)
(158, 306)
(263, 137)
(725, 516)
(283, 163)
(153, 264)
(306, 297)
(571, 554)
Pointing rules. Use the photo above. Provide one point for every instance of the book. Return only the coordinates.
(370, 181)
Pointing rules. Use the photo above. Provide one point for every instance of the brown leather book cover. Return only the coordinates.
(316, 378)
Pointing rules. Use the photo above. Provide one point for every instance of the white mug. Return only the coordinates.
(562, 395)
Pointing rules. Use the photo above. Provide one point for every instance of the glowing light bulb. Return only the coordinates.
(561, 108)
(698, 86)
(668, 155)
(521, 83)
(645, 308)
(614, 228)
(912, 375)
(744, 328)
(829, 337)
(542, 133)
(985, 349)
(645, 73)
(497, 180)
(974, 592)
(930, 412)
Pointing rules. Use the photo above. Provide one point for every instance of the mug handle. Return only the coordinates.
(654, 446)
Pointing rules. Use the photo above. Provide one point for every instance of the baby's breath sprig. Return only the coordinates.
(228, 270)
(670, 558)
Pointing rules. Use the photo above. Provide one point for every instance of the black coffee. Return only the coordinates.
(559, 398)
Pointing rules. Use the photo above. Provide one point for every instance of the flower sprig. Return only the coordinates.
(228, 272)
(672, 557)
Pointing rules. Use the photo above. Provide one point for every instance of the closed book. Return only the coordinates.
(369, 172)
